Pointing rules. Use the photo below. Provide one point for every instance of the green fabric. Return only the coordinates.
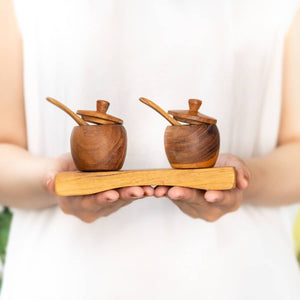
(5, 220)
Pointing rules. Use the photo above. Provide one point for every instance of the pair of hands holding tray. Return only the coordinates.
(197, 189)
(208, 205)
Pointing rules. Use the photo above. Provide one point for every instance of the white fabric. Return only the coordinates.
(228, 53)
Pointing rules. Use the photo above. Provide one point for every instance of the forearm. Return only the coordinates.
(21, 179)
(275, 178)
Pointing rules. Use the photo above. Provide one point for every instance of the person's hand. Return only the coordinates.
(91, 207)
(210, 205)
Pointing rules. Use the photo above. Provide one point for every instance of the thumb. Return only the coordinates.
(48, 181)
(243, 177)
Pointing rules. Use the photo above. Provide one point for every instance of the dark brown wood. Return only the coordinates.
(159, 110)
(99, 147)
(86, 183)
(192, 146)
(102, 106)
(194, 105)
(192, 114)
(76, 118)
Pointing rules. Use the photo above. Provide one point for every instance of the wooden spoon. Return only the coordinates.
(75, 117)
(159, 110)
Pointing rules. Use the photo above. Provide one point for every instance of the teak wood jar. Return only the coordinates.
(194, 144)
(100, 147)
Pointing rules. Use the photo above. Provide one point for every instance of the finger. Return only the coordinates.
(186, 194)
(161, 191)
(148, 190)
(214, 196)
(111, 208)
(93, 203)
(187, 208)
(232, 200)
(107, 197)
(133, 192)
(243, 173)
(227, 201)
(242, 177)
(48, 181)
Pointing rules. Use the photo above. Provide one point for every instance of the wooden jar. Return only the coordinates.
(99, 147)
(194, 144)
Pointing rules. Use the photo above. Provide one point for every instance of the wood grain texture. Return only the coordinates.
(97, 120)
(100, 115)
(192, 146)
(159, 110)
(67, 110)
(187, 121)
(79, 183)
(192, 114)
(98, 147)
(102, 106)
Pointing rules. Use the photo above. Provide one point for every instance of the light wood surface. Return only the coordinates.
(85, 183)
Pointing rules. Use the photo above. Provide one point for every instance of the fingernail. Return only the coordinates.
(49, 187)
(245, 184)
(149, 194)
(47, 182)
(210, 199)
(111, 200)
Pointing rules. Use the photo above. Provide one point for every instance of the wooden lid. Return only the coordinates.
(100, 116)
(192, 116)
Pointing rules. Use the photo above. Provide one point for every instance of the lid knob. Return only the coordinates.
(99, 116)
(194, 105)
(192, 116)
(102, 106)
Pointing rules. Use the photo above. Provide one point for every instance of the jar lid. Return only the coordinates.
(192, 116)
(99, 116)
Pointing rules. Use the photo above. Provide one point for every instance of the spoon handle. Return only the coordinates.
(75, 117)
(159, 110)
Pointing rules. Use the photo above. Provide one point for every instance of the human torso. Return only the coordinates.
(227, 53)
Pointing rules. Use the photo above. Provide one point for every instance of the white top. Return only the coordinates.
(228, 53)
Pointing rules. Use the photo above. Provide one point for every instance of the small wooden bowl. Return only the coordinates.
(99, 147)
(192, 146)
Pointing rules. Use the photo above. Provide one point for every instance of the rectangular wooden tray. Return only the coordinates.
(85, 183)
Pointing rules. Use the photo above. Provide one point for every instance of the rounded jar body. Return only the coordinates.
(192, 146)
(99, 147)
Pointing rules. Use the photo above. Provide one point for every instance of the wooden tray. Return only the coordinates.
(85, 183)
